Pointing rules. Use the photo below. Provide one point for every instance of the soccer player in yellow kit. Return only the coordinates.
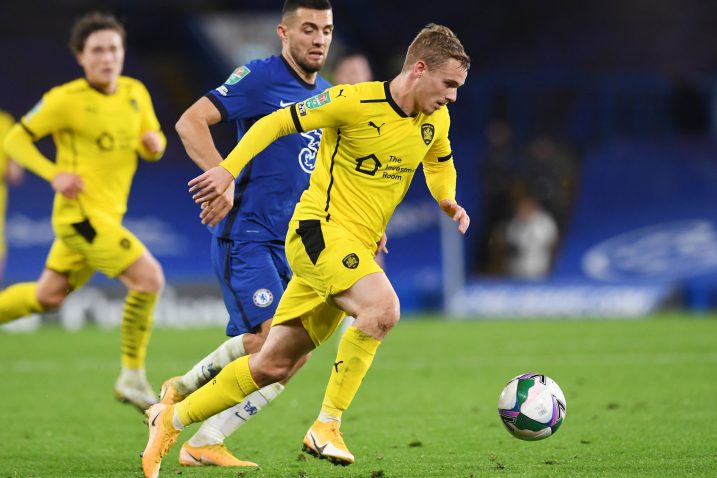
(99, 123)
(375, 137)
(11, 173)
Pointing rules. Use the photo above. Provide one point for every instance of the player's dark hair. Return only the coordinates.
(291, 6)
(435, 45)
(92, 22)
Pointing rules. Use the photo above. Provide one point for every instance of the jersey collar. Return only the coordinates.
(302, 82)
(394, 105)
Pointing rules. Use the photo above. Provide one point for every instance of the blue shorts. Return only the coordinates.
(252, 277)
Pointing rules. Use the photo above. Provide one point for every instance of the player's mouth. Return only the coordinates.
(316, 55)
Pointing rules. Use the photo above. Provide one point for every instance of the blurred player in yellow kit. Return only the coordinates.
(10, 173)
(376, 135)
(99, 124)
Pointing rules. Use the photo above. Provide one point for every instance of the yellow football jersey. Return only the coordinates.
(6, 122)
(98, 137)
(370, 150)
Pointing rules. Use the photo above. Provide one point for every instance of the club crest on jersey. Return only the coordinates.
(105, 141)
(263, 298)
(427, 131)
(237, 75)
(351, 261)
(318, 100)
(307, 155)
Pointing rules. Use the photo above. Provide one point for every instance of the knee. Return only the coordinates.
(254, 341)
(268, 371)
(155, 281)
(50, 301)
(387, 313)
(152, 281)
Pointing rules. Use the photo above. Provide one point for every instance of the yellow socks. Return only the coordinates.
(234, 382)
(356, 352)
(136, 327)
(228, 388)
(18, 300)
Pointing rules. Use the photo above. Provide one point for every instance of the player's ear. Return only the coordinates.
(281, 31)
(420, 68)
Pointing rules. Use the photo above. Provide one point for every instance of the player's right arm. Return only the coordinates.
(193, 129)
(216, 180)
(46, 117)
(299, 117)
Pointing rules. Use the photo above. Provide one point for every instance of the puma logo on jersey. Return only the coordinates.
(378, 128)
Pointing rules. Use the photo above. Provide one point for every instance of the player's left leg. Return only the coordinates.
(144, 280)
(113, 250)
(375, 305)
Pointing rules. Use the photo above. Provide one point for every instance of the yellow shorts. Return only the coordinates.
(325, 259)
(82, 248)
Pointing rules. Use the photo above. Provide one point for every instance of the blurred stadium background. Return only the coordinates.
(602, 112)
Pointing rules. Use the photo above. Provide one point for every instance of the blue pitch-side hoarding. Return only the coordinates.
(643, 230)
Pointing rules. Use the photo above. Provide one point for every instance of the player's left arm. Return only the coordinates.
(153, 142)
(440, 172)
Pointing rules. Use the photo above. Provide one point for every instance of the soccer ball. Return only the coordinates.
(532, 406)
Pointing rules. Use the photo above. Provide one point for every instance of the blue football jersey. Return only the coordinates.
(269, 187)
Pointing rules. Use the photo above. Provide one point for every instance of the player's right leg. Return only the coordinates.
(285, 346)
(65, 271)
(27, 298)
(252, 278)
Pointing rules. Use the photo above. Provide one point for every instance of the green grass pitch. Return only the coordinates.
(640, 397)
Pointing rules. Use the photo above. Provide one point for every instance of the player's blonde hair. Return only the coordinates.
(435, 45)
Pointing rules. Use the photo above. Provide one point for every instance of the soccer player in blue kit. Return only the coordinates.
(249, 223)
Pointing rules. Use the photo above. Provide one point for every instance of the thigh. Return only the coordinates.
(105, 246)
(327, 257)
(285, 343)
(64, 261)
(373, 291)
(374, 304)
(301, 303)
(250, 281)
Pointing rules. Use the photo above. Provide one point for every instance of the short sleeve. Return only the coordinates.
(236, 97)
